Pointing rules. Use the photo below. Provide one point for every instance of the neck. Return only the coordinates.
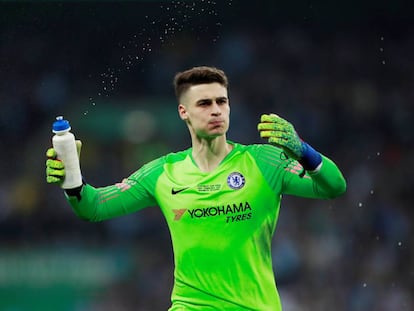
(208, 153)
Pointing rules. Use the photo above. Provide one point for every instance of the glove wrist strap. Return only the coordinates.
(311, 159)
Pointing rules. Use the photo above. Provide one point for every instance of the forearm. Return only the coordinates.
(98, 204)
(326, 183)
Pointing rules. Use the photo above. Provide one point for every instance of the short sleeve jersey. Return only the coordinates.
(221, 222)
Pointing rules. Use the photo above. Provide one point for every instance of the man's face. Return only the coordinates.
(205, 108)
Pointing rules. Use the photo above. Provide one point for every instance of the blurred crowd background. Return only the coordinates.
(342, 73)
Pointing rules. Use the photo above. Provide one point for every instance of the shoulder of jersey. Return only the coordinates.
(176, 156)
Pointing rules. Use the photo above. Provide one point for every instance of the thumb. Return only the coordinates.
(78, 147)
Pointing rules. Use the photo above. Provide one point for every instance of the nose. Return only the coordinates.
(215, 109)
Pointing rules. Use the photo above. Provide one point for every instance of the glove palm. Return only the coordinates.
(281, 133)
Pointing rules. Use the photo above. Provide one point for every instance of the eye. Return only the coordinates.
(221, 101)
(204, 103)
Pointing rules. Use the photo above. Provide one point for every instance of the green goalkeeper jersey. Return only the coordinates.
(221, 222)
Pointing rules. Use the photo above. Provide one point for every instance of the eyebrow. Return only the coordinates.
(210, 99)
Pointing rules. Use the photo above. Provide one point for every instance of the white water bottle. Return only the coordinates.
(64, 143)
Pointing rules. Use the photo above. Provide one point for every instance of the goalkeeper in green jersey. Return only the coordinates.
(220, 198)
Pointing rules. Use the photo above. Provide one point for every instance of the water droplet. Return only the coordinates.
(383, 62)
(360, 204)
(371, 192)
(399, 243)
(364, 285)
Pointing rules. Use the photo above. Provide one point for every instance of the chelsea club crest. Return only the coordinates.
(236, 180)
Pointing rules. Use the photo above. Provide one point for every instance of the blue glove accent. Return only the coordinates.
(310, 159)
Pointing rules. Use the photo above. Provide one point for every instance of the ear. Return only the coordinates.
(182, 112)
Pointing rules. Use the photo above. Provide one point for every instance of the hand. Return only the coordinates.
(55, 168)
(281, 133)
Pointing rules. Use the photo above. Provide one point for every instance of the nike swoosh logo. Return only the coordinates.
(174, 191)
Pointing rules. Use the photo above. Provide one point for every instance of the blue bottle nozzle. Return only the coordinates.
(60, 125)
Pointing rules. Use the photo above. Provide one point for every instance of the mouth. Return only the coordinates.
(216, 122)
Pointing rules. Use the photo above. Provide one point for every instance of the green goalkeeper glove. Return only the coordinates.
(55, 168)
(282, 134)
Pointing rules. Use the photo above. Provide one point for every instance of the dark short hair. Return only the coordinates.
(198, 75)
